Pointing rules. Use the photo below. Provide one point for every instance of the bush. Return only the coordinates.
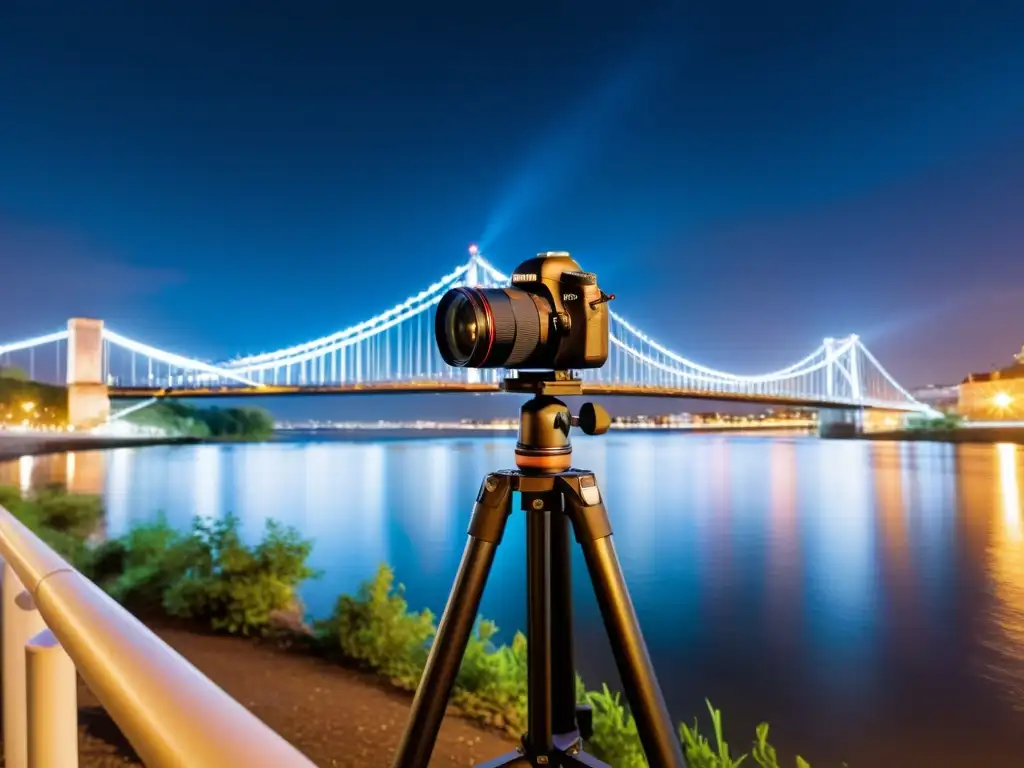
(376, 629)
(491, 683)
(77, 514)
(61, 520)
(184, 420)
(236, 588)
(208, 575)
(140, 568)
(943, 423)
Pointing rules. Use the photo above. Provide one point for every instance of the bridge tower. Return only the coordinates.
(830, 367)
(88, 399)
(855, 370)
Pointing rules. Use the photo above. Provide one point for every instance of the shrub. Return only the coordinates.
(77, 514)
(376, 629)
(9, 498)
(141, 567)
(942, 423)
(491, 683)
(236, 588)
(615, 739)
(61, 520)
(177, 418)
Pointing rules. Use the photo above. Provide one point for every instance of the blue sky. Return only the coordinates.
(746, 177)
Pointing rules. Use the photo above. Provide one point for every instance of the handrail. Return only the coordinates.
(171, 714)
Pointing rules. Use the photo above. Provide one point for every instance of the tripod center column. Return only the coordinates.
(540, 731)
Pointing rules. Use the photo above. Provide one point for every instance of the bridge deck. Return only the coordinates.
(459, 387)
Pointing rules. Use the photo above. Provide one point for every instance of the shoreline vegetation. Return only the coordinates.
(178, 419)
(209, 579)
(33, 405)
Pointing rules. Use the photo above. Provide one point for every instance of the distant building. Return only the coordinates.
(996, 395)
(941, 397)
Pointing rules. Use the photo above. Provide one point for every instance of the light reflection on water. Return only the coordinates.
(836, 589)
(1006, 565)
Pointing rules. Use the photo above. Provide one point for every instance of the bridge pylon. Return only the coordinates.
(472, 279)
(88, 398)
(830, 366)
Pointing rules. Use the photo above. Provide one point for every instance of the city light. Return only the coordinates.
(1002, 400)
(28, 407)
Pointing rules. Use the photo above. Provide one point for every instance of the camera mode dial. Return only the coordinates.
(579, 278)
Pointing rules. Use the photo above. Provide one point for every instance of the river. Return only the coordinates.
(865, 598)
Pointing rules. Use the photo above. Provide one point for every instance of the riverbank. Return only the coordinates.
(14, 445)
(983, 435)
(335, 715)
(208, 583)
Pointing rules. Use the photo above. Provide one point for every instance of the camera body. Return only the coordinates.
(577, 324)
(553, 316)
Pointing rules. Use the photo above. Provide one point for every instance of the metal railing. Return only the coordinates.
(56, 621)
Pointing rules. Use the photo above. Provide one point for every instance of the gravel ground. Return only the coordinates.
(336, 716)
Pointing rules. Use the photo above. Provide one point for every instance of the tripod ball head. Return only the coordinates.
(544, 424)
(593, 419)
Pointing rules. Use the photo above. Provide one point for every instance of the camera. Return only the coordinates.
(551, 317)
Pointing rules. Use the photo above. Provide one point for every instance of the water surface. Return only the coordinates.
(865, 598)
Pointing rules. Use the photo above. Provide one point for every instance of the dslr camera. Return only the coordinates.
(552, 316)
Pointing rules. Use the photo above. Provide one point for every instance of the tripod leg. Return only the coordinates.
(594, 534)
(490, 514)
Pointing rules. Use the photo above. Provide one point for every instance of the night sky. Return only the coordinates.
(748, 177)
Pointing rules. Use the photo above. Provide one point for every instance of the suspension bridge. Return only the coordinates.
(394, 352)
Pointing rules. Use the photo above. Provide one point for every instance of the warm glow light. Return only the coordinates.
(28, 407)
(1010, 491)
(1002, 400)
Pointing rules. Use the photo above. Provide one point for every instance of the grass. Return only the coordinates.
(209, 576)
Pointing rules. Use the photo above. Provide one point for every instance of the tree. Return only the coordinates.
(14, 374)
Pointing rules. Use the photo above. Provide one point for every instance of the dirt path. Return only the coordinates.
(336, 716)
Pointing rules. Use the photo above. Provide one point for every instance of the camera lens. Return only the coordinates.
(487, 327)
(463, 327)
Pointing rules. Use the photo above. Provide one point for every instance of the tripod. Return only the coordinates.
(552, 495)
